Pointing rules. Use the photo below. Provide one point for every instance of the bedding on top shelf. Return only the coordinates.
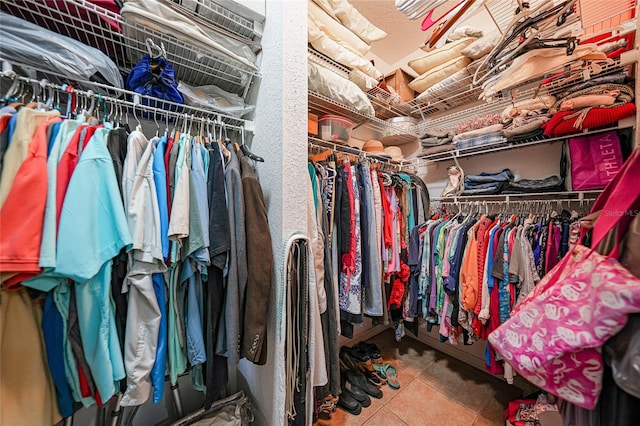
(327, 83)
(439, 73)
(351, 18)
(26, 43)
(336, 31)
(162, 17)
(324, 44)
(440, 56)
(441, 64)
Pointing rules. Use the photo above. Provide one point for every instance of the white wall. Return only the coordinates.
(281, 139)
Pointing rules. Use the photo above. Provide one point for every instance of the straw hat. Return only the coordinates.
(374, 147)
(395, 152)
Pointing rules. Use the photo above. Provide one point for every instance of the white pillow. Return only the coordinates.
(338, 32)
(441, 55)
(439, 73)
(464, 31)
(324, 44)
(353, 19)
(327, 83)
(326, 6)
(363, 81)
(482, 46)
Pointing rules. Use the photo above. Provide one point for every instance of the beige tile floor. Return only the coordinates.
(436, 389)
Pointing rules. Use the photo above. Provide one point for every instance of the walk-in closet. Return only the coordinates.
(319, 212)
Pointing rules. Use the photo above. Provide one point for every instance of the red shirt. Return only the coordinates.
(22, 214)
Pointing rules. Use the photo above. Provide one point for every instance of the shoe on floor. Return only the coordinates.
(349, 404)
(356, 393)
(371, 349)
(361, 382)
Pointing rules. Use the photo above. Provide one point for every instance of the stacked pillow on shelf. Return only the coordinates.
(448, 70)
(338, 31)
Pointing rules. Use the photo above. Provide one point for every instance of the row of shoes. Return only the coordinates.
(363, 373)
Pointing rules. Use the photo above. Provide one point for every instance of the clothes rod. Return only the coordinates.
(538, 205)
(325, 145)
(194, 113)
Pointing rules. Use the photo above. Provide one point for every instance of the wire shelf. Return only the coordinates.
(153, 108)
(324, 61)
(385, 104)
(324, 145)
(462, 92)
(125, 42)
(321, 105)
(221, 17)
(565, 195)
(528, 90)
(509, 145)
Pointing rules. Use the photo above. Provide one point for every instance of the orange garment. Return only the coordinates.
(483, 243)
(22, 214)
(469, 271)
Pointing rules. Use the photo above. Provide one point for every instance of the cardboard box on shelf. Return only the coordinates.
(399, 80)
(313, 124)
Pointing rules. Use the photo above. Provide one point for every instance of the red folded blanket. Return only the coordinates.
(567, 122)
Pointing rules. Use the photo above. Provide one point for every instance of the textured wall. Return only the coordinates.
(281, 138)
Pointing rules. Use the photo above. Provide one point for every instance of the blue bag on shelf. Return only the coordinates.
(154, 76)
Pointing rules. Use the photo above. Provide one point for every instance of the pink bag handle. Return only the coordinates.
(617, 198)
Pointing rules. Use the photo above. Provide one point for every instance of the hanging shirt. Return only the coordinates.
(145, 259)
(92, 231)
(27, 121)
(67, 164)
(160, 180)
(22, 216)
(179, 220)
(49, 229)
(469, 271)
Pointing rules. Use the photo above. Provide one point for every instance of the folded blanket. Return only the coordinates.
(436, 134)
(534, 134)
(437, 149)
(478, 132)
(433, 141)
(479, 123)
(548, 184)
(488, 139)
(566, 122)
(495, 188)
(505, 175)
(524, 125)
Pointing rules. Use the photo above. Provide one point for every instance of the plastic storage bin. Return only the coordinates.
(335, 128)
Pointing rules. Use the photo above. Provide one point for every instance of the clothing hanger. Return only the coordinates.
(446, 25)
(155, 120)
(429, 22)
(321, 156)
(166, 129)
(154, 50)
(523, 21)
(225, 152)
(139, 126)
(245, 148)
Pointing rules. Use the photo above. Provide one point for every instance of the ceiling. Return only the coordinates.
(404, 37)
